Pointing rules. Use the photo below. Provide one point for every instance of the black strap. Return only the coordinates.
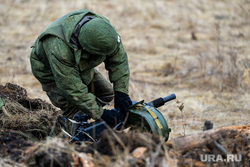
(75, 34)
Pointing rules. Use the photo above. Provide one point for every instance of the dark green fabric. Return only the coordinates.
(98, 37)
(118, 68)
(1, 103)
(100, 85)
(55, 61)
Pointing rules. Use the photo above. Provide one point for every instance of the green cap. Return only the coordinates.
(99, 37)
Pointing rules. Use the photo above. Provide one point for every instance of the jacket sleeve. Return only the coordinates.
(118, 68)
(67, 77)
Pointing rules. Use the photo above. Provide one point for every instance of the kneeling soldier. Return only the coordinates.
(64, 58)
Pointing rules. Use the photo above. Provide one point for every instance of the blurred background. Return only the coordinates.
(197, 49)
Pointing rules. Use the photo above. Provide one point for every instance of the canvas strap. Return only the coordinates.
(152, 114)
(75, 34)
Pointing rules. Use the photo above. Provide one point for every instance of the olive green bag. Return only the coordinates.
(145, 118)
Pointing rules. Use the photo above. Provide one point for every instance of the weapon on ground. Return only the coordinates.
(143, 117)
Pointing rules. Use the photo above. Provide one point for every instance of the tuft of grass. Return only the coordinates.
(38, 123)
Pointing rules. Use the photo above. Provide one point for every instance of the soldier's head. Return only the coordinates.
(99, 37)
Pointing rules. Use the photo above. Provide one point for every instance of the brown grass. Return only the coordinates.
(198, 50)
(37, 124)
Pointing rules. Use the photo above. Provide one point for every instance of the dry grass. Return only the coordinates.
(36, 124)
(206, 43)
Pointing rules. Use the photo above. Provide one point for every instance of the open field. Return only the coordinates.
(199, 50)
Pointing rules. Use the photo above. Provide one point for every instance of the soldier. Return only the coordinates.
(64, 58)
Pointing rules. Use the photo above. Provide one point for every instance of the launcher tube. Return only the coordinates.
(161, 101)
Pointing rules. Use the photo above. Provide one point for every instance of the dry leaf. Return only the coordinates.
(139, 152)
(82, 160)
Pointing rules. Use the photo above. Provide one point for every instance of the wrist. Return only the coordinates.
(120, 94)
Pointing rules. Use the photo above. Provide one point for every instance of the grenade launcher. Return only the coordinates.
(142, 117)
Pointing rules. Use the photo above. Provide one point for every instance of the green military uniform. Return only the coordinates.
(67, 71)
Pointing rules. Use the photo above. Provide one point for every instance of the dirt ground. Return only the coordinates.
(198, 50)
(31, 136)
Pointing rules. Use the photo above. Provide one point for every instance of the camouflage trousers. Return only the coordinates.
(99, 86)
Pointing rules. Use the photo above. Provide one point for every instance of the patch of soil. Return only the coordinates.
(51, 157)
(51, 152)
(16, 93)
(12, 144)
(31, 116)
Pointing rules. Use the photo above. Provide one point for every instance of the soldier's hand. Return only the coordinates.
(122, 102)
(111, 117)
